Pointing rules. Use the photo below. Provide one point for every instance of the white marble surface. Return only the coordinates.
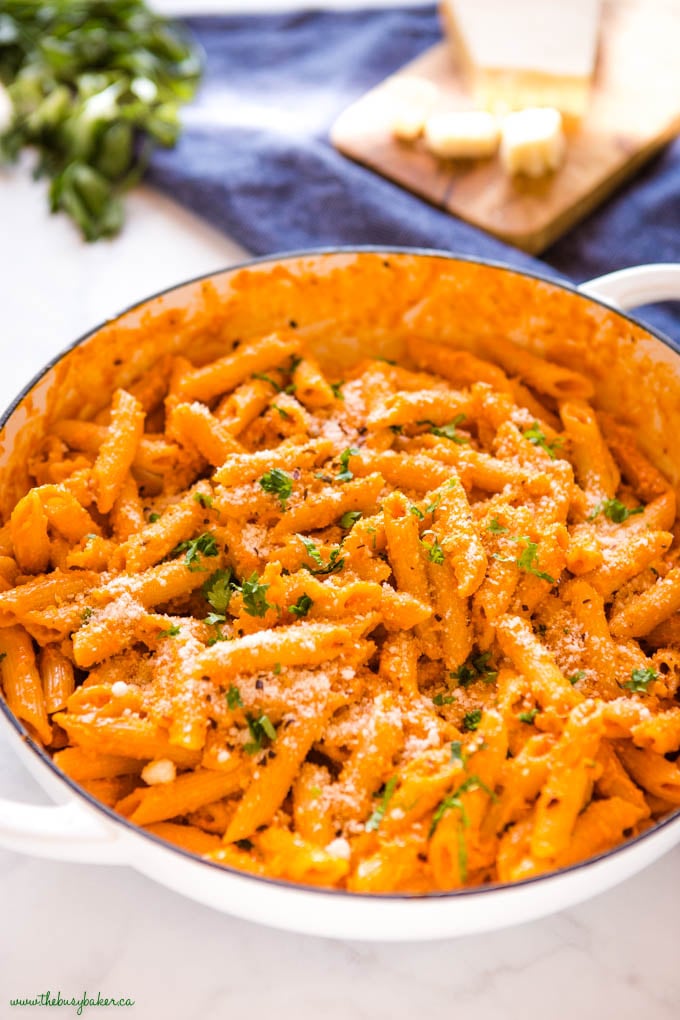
(78, 927)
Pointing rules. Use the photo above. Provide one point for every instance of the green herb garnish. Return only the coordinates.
(528, 717)
(194, 548)
(172, 631)
(203, 500)
(234, 699)
(335, 561)
(282, 411)
(640, 679)
(435, 553)
(255, 595)
(457, 755)
(95, 86)
(345, 475)
(575, 677)
(349, 519)
(218, 591)
(278, 483)
(475, 668)
(154, 517)
(376, 818)
(262, 731)
(495, 527)
(337, 389)
(447, 431)
(615, 511)
(86, 614)
(302, 606)
(527, 560)
(472, 719)
(268, 379)
(444, 699)
(453, 803)
(538, 437)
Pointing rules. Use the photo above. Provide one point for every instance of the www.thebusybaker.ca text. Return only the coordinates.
(50, 999)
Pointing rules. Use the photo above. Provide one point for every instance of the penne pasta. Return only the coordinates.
(371, 626)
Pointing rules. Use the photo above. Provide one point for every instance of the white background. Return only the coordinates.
(78, 927)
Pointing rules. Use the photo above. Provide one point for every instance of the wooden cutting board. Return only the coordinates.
(635, 109)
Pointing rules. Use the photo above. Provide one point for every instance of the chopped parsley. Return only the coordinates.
(528, 561)
(495, 527)
(528, 717)
(267, 379)
(262, 732)
(86, 614)
(349, 519)
(472, 719)
(218, 590)
(337, 389)
(282, 411)
(172, 631)
(475, 668)
(435, 553)
(444, 699)
(345, 475)
(255, 595)
(302, 606)
(154, 517)
(640, 679)
(203, 500)
(278, 483)
(194, 548)
(416, 511)
(453, 802)
(335, 561)
(277, 668)
(575, 677)
(212, 619)
(376, 818)
(457, 756)
(234, 699)
(538, 437)
(615, 511)
(447, 431)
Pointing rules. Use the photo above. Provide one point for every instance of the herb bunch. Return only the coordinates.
(94, 85)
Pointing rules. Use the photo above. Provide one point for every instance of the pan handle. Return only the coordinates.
(67, 832)
(639, 285)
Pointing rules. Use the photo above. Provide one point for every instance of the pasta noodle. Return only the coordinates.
(381, 628)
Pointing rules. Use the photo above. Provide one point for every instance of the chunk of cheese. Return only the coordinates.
(410, 100)
(522, 53)
(532, 142)
(462, 134)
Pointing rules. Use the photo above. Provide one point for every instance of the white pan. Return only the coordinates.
(373, 298)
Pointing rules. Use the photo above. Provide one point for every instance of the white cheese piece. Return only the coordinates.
(339, 848)
(520, 53)
(462, 134)
(160, 771)
(119, 689)
(410, 101)
(532, 142)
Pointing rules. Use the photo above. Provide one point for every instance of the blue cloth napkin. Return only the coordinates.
(255, 157)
